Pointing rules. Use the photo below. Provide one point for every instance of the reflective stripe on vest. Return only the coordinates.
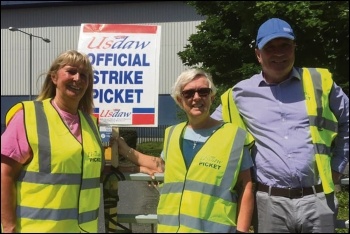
(317, 84)
(231, 114)
(201, 199)
(65, 171)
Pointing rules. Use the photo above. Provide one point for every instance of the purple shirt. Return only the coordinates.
(276, 115)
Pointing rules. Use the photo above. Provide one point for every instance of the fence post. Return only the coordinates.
(110, 188)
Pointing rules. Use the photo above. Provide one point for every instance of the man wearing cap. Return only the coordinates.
(299, 119)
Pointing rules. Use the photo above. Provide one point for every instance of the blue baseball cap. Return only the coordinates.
(271, 29)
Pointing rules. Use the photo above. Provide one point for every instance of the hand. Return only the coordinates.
(123, 147)
(157, 164)
(154, 165)
(336, 176)
(158, 168)
(155, 184)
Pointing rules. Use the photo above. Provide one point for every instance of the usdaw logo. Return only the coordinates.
(143, 116)
(96, 114)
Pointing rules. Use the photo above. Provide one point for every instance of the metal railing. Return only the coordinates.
(147, 134)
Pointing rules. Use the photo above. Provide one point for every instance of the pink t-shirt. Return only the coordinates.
(14, 142)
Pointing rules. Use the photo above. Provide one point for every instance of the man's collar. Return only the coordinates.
(294, 74)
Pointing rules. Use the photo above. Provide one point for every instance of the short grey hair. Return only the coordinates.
(186, 77)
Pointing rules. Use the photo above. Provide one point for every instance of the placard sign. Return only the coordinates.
(125, 59)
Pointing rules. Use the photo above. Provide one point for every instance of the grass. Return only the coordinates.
(343, 201)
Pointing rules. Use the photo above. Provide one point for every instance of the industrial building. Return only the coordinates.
(25, 56)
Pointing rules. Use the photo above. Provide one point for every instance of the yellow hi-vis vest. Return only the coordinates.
(231, 114)
(59, 190)
(202, 198)
(317, 84)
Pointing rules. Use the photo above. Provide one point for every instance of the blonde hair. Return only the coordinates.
(75, 59)
(186, 77)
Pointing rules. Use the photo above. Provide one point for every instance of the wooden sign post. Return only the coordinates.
(110, 186)
(115, 155)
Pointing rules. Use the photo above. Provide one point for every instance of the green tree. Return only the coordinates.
(224, 43)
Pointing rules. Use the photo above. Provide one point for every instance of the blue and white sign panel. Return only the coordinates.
(125, 59)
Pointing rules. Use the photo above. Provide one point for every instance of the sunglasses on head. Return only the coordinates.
(202, 92)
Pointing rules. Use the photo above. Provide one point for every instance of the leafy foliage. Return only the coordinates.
(150, 148)
(129, 135)
(224, 43)
(343, 201)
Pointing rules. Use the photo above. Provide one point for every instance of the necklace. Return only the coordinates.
(195, 142)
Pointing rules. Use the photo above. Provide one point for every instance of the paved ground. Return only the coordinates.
(135, 197)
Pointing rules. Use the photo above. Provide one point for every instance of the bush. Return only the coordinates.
(129, 135)
(150, 148)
